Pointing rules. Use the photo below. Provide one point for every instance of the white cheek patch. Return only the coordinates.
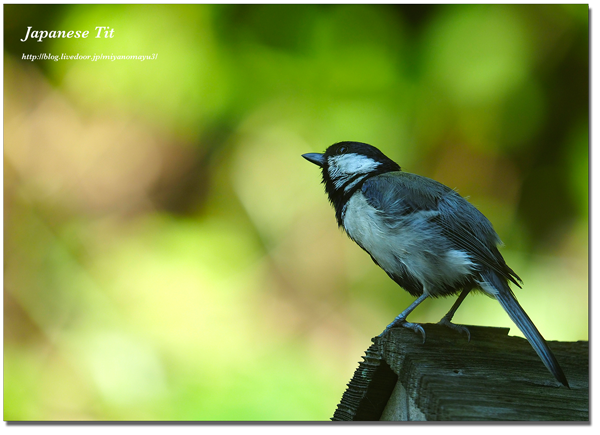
(353, 163)
(341, 168)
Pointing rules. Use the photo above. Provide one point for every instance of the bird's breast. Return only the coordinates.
(406, 244)
(367, 226)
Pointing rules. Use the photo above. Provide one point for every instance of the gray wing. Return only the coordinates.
(398, 194)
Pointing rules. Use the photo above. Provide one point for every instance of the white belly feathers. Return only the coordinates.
(420, 248)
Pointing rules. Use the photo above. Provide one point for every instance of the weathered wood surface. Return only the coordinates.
(493, 377)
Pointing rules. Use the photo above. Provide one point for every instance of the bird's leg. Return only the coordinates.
(401, 318)
(446, 320)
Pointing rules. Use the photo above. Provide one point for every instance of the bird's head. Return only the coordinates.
(346, 165)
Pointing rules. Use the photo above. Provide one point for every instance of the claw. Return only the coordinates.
(400, 319)
(459, 328)
(401, 322)
(415, 327)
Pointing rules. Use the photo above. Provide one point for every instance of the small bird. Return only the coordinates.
(430, 240)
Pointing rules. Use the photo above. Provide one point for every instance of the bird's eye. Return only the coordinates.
(342, 150)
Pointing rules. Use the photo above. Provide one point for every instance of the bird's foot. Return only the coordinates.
(458, 328)
(402, 322)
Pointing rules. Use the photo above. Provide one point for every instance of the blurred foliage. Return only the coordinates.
(169, 255)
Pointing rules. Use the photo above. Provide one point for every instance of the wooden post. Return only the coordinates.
(492, 377)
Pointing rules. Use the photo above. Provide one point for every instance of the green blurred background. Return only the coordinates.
(169, 255)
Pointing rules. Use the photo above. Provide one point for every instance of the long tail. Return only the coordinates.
(519, 316)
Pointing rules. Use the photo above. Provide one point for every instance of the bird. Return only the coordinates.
(429, 239)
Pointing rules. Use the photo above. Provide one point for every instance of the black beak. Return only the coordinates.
(315, 158)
